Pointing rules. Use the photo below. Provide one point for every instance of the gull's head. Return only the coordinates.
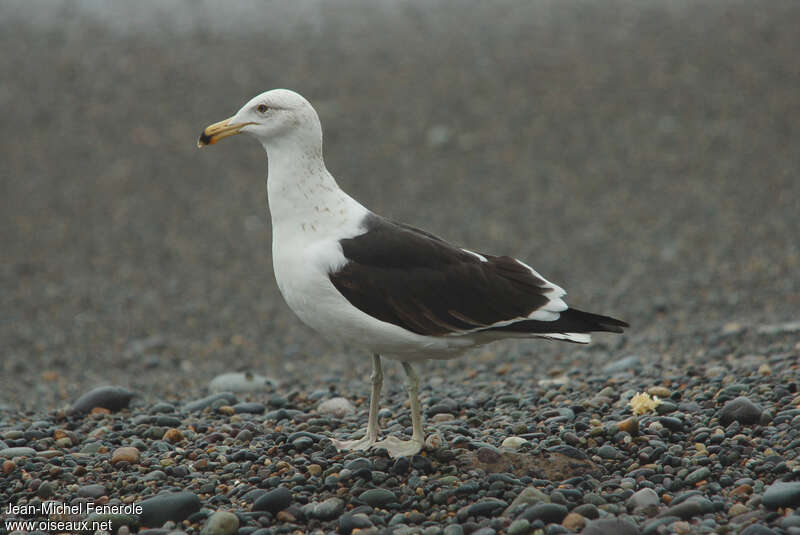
(271, 116)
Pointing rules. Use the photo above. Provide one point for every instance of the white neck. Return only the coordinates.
(300, 190)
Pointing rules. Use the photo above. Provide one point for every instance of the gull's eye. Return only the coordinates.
(262, 108)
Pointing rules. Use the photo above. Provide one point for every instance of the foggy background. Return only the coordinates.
(643, 155)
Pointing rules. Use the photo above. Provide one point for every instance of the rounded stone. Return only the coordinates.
(338, 407)
(274, 500)
(221, 523)
(610, 526)
(377, 497)
(741, 410)
(175, 506)
(113, 398)
(240, 382)
(125, 454)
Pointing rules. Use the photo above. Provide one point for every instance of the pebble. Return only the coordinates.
(127, 454)
(741, 410)
(338, 407)
(377, 497)
(113, 398)
(574, 522)
(203, 403)
(514, 443)
(91, 491)
(546, 512)
(21, 451)
(175, 506)
(240, 382)
(610, 526)
(779, 494)
(642, 499)
(221, 523)
(521, 526)
(349, 522)
(486, 507)
(274, 500)
(328, 509)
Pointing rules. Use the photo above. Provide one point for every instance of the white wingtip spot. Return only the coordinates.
(473, 253)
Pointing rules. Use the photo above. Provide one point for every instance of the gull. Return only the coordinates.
(390, 288)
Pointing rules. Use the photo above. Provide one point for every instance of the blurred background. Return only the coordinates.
(642, 154)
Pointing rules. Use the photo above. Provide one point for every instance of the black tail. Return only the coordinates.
(571, 320)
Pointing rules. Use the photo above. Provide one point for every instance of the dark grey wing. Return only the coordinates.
(407, 277)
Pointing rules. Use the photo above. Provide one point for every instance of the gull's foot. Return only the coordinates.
(400, 448)
(355, 445)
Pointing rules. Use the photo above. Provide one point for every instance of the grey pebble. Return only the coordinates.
(698, 475)
(689, 508)
(221, 523)
(740, 410)
(349, 521)
(377, 497)
(779, 494)
(756, 529)
(329, 509)
(453, 529)
(274, 500)
(608, 452)
(113, 398)
(203, 403)
(249, 407)
(91, 491)
(521, 526)
(176, 506)
(486, 507)
(643, 498)
(610, 526)
(546, 512)
(20, 451)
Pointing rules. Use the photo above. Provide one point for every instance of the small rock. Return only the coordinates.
(486, 507)
(698, 475)
(643, 499)
(125, 454)
(377, 497)
(756, 529)
(240, 382)
(741, 410)
(349, 521)
(249, 407)
(203, 403)
(91, 491)
(338, 407)
(21, 451)
(113, 398)
(528, 496)
(521, 526)
(779, 494)
(329, 509)
(660, 391)
(546, 512)
(173, 435)
(274, 500)
(221, 523)
(175, 506)
(513, 443)
(608, 452)
(574, 522)
(610, 526)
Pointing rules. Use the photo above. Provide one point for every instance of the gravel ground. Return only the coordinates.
(642, 155)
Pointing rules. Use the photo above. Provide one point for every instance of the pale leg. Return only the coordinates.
(406, 448)
(371, 434)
